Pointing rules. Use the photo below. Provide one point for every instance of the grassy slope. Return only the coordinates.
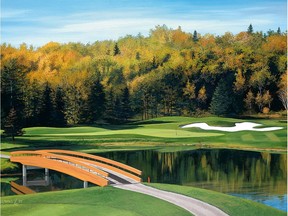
(162, 132)
(112, 201)
(234, 206)
(91, 201)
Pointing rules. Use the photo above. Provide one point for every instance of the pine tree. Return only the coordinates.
(33, 97)
(250, 29)
(279, 31)
(116, 50)
(12, 93)
(59, 116)
(95, 102)
(125, 105)
(46, 111)
(195, 36)
(110, 106)
(222, 99)
(12, 125)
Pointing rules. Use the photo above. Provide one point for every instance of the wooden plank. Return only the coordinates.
(115, 169)
(106, 160)
(75, 161)
(61, 167)
(47, 159)
(22, 189)
(16, 191)
(22, 153)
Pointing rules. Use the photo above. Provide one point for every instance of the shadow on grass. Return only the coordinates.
(151, 122)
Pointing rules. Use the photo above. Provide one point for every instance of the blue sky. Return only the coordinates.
(37, 22)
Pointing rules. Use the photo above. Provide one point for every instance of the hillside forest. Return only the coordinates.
(169, 72)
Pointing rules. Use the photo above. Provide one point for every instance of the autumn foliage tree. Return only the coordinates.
(169, 72)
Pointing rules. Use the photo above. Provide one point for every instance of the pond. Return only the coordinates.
(258, 176)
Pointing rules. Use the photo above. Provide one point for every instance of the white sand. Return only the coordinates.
(243, 126)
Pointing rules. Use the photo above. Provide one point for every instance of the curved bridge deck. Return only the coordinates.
(88, 168)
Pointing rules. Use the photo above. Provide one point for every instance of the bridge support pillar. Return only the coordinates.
(24, 174)
(85, 184)
(46, 176)
(24, 181)
(46, 171)
(24, 170)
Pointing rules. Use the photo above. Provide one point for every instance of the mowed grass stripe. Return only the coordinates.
(247, 137)
(272, 137)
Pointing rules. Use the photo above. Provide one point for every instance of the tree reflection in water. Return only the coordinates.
(243, 173)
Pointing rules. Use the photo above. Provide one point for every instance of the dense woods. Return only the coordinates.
(170, 72)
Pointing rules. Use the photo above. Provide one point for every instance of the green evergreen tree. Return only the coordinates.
(95, 102)
(33, 97)
(109, 106)
(222, 99)
(59, 116)
(250, 29)
(12, 90)
(195, 36)
(125, 106)
(116, 50)
(12, 127)
(47, 109)
(279, 31)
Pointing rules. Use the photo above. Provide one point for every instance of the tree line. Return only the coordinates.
(169, 72)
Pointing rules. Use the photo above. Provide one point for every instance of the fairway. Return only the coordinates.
(161, 133)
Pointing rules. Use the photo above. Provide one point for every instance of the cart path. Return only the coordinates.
(4, 156)
(196, 207)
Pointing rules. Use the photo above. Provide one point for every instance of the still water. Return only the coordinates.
(261, 177)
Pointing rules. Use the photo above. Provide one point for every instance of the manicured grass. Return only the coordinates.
(91, 201)
(234, 206)
(113, 201)
(162, 133)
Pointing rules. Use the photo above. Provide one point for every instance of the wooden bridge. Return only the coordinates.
(88, 168)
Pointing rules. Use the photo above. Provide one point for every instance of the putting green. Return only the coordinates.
(163, 133)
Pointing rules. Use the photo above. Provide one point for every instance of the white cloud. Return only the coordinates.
(90, 26)
(13, 13)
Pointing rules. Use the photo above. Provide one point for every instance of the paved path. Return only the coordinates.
(4, 156)
(196, 207)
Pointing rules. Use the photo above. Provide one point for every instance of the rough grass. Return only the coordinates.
(234, 206)
(91, 201)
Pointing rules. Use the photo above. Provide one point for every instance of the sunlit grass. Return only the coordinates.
(91, 201)
(165, 132)
(234, 206)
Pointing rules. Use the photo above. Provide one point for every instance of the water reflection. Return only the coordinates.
(228, 171)
(261, 177)
(38, 181)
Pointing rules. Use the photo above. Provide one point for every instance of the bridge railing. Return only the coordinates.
(97, 158)
(81, 161)
(45, 162)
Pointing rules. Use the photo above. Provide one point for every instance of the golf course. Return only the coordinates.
(163, 134)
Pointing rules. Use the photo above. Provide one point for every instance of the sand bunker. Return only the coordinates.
(243, 126)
